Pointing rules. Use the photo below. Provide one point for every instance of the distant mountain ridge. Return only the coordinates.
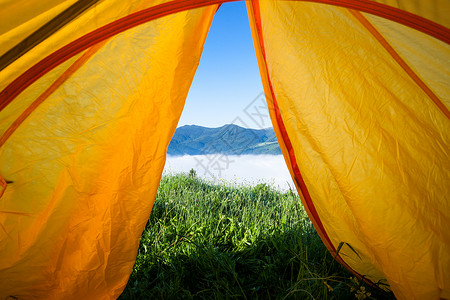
(229, 139)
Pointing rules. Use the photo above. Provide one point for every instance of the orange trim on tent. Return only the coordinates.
(286, 140)
(101, 34)
(309, 205)
(158, 11)
(3, 185)
(45, 31)
(56, 84)
(401, 62)
(96, 36)
(394, 14)
(146, 15)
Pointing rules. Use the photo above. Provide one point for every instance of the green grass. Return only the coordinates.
(209, 241)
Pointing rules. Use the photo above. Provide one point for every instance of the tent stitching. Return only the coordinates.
(301, 186)
(154, 12)
(401, 62)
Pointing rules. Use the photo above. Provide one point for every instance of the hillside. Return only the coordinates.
(229, 139)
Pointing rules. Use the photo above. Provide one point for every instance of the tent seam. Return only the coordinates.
(62, 54)
(49, 91)
(394, 14)
(44, 32)
(401, 62)
(297, 175)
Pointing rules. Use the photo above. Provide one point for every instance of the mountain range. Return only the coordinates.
(229, 139)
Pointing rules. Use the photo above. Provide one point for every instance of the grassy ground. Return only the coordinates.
(207, 241)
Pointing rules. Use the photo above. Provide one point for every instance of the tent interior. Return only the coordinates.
(91, 92)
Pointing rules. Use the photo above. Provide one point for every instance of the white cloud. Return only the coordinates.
(244, 169)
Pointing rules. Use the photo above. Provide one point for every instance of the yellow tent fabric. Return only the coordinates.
(369, 143)
(91, 92)
(86, 164)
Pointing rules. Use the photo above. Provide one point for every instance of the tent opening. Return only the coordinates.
(225, 121)
(91, 94)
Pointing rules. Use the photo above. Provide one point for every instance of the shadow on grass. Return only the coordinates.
(207, 241)
(288, 264)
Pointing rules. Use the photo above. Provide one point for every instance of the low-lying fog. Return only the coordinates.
(245, 169)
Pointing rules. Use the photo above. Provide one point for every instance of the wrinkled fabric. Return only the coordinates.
(86, 164)
(359, 104)
(370, 144)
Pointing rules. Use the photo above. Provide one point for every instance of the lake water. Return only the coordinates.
(243, 169)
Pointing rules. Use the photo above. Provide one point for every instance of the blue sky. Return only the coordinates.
(227, 79)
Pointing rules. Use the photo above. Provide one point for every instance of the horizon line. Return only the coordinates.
(215, 127)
